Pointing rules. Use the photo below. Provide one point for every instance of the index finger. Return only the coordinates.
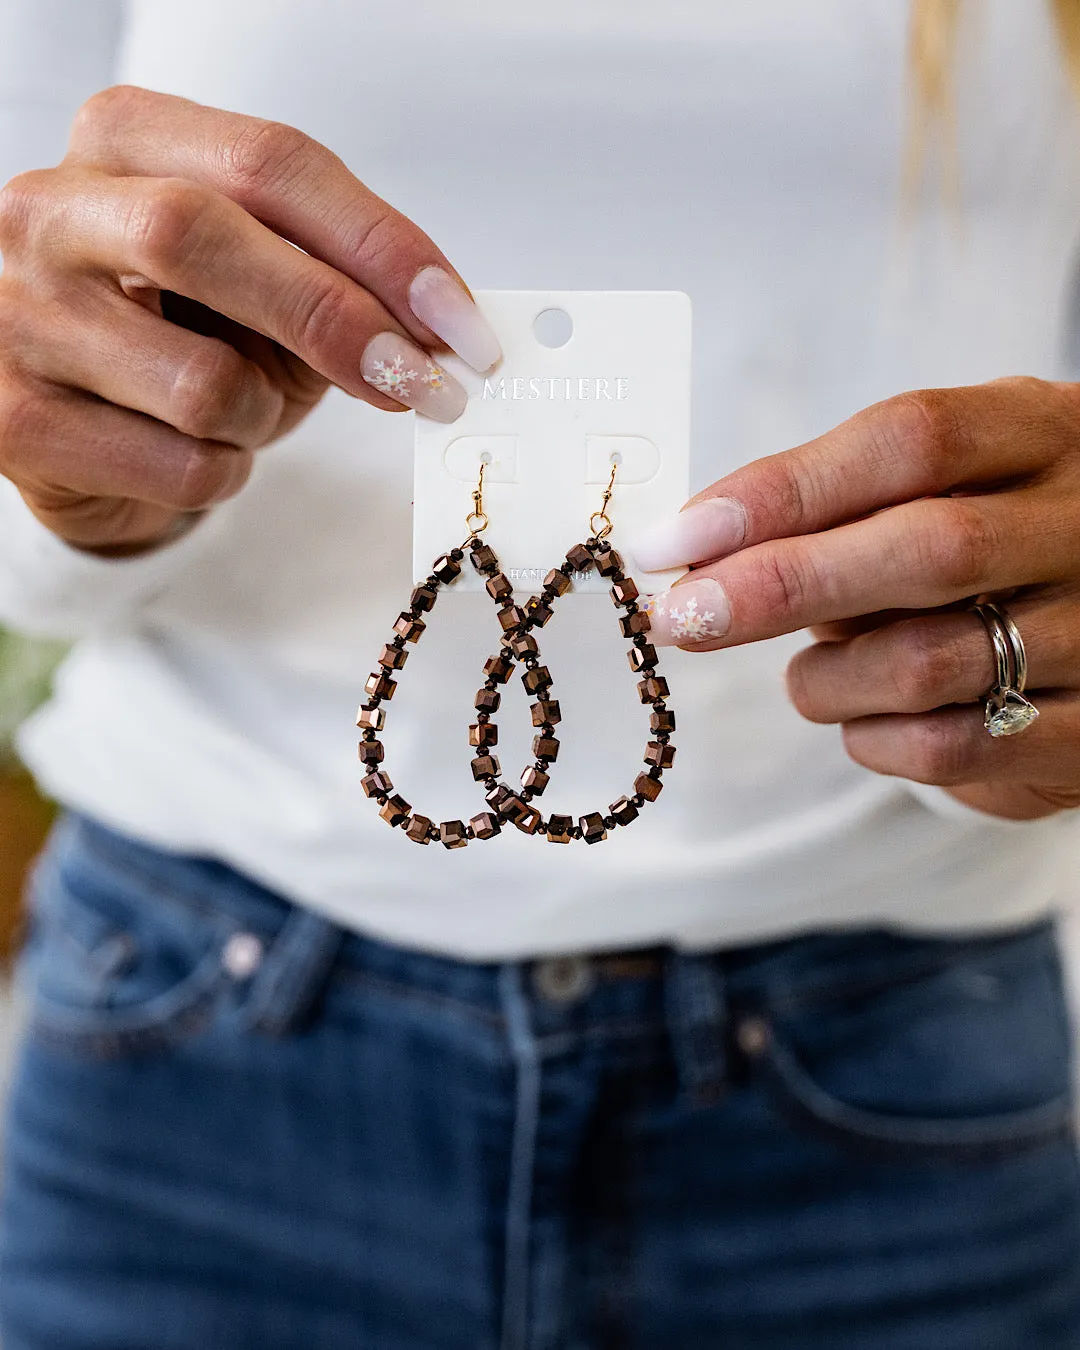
(300, 190)
(927, 443)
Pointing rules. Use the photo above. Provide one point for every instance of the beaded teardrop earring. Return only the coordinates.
(515, 806)
(483, 734)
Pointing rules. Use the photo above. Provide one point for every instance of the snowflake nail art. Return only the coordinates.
(687, 624)
(392, 377)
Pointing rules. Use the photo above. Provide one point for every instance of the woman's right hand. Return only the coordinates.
(157, 326)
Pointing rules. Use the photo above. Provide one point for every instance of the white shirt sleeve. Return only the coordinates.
(53, 55)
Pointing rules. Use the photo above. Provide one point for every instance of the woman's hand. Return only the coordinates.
(156, 327)
(877, 536)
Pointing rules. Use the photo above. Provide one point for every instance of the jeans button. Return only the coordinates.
(563, 979)
(242, 955)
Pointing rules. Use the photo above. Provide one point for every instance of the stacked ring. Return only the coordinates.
(1007, 711)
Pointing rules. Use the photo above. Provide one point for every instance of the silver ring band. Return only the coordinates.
(1006, 712)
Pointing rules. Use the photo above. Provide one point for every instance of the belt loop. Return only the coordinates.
(293, 974)
(696, 1007)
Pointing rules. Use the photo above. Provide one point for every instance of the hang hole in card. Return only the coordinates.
(552, 418)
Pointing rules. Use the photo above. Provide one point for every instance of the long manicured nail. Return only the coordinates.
(709, 529)
(395, 367)
(693, 611)
(439, 301)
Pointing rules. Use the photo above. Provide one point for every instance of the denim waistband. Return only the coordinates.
(790, 973)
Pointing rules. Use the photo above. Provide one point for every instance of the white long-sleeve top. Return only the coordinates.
(747, 153)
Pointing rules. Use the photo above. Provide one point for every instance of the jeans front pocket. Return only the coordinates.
(117, 962)
(963, 1050)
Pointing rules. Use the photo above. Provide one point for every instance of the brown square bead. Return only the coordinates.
(498, 796)
(607, 560)
(537, 680)
(640, 657)
(648, 786)
(529, 820)
(409, 628)
(545, 747)
(557, 581)
(539, 612)
(662, 719)
(485, 825)
(560, 829)
(487, 700)
(632, 624)
(579, 558)
(485, 766)
(377, 784)
(546, 711)
(499, 587)
(483, 733)
(371, 719)
(419, 830)
(593, 829)
(498, 668)
(624, 810)
(394, 657)
(395, 811)
(511, 807)
(513, 616)
(656, 687)
(536, 780)
(371, 752)
(452, 834)
(423, 597)
(379, 685)
(484, 558)
(659, 756)
(446, 568)
(624, 591)
(524, 645)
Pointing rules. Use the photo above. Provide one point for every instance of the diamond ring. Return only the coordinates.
(1007, 711)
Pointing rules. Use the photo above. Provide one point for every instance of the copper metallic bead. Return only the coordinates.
(452, 834)
(371, 752)
(535, 681)
(648, 786)
(513, 616)
(607, 560)
(396, 811)
(529, 821)
(545, 747)
(557, 581)
(446, 568)
(659, 756)
(499, 587)
(624, 811)
(546, 711)
(419, 830)
(394, 657)
(485, 766)
(409, 628)
(484, 558)
(536, 780)
(487, 700)
(498, 668)
(662, 719)
(524, 645)
(539, 612)
(371, 719)
(511, 808)
(593, 829)
(655, 687)
(485, 825)
(379, 685)
(632, 624)
(483, 733)
(624, 591)
(640, 657)
(423, 597)
(560, 829)
(377, 784)
(579, 558)
(498, 796)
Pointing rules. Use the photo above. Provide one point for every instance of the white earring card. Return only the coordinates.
(550, 421)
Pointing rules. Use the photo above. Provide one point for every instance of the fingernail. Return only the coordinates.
(439, 301)
(693, 611)
(395, 367)
(709, 529)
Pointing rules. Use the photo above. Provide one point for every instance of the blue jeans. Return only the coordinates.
(234, 1125)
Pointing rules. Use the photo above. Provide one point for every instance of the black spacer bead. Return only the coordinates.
(641, 639)
(483, 717)
(469, 832)
(382, 798)
(638, 799)
(368, 735)
(457, 554)
(575, 832)
(610, 822)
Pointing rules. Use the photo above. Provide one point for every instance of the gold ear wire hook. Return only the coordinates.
(606, 526)
(477, 513)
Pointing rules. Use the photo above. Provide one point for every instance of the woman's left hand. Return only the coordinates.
(877, 537)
